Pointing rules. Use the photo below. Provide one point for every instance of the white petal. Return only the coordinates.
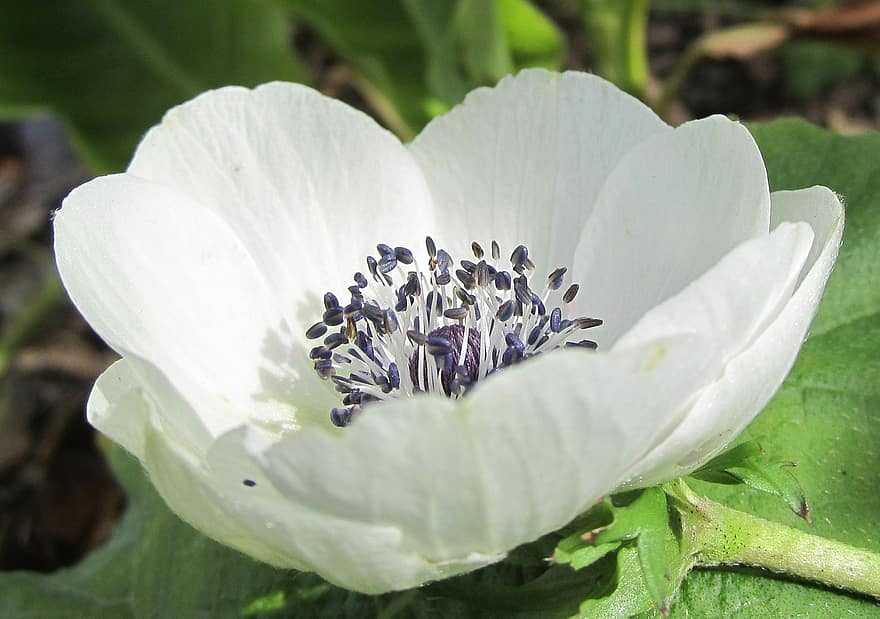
(669, 211)
(207, 491)
(164, 281)
(523, 455)
(736, 299)
(524, 161)
(118, 408)
(309, 184)
(751, 378)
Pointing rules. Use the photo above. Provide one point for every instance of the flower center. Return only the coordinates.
(417, 320)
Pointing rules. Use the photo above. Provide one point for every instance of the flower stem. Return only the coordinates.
(719, 535)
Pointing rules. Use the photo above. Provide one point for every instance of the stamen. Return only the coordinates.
(447, 327)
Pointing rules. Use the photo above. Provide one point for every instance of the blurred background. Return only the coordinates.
(80, 81)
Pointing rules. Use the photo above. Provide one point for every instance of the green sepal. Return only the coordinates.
(749, 464)
(639, 522)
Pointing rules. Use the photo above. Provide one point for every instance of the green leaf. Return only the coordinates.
(111, 68)
(749, 464)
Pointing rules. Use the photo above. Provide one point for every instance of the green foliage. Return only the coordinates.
(812, 67)
(111, 68)
(417, 58)
(617, 31)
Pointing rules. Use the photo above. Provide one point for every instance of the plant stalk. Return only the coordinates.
(719, 535)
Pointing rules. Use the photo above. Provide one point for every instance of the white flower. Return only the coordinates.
(204, 264)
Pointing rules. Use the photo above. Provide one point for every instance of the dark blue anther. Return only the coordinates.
(412, 287)
(394, 376)
(467, 280)
(431, 247)
(416, 337)
(341, 417)
(519, 257)
(403, 255)
(330, 301)
(556, 278)
(588, 344)
(438, 346)
(514, 342)
(320, 352)
(335, 340)
(483, 275)
(360, 279)
(388, 263)
(435, 301)
(372, 267)
(316, 330)
(534, 334)
(511, 355)
(456, 313)
(333, 317)
(444, 260)
(505, 312)
(521, 290)
(384, 249)
(470, 267)
(556, 320)
(443, 278)
(374, 313)
(364, 343)
(502, 280)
